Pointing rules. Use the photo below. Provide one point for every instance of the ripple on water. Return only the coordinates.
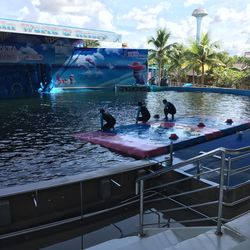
(37, 141)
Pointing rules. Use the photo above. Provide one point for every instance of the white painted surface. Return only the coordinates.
(236, 236)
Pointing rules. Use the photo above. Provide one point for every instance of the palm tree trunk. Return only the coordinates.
(159, 72)
(202, 74)
(159, 76)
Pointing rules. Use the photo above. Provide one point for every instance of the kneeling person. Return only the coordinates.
(143, 114)
(169, 108)
(108, 118)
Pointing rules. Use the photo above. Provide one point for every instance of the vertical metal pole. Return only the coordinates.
(81, 200)
(141, 234)
(198, 170)
(228, 171)
(171, 153)
(82, 242)
(37, 198)
(220, 205)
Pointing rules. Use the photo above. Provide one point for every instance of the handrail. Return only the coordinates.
(181, 180)
(180, 164)
(243, 169)
(240, 157)
(140, 182)
(195, 159)
(237, 151)
(185, 193)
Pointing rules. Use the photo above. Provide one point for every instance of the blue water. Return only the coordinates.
(36, 135)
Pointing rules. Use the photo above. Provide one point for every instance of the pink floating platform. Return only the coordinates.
(153, 139)
(128, 145)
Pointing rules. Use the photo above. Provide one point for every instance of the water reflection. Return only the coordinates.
(36, 135)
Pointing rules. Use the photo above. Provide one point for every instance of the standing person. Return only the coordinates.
(143, 114)
(108, 118)
(169, 108)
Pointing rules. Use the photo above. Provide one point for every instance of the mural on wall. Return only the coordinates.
(30, 64)
(100, 67)
(25, 62)
(26, 53)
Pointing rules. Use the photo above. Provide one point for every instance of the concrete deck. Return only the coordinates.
(236, 235)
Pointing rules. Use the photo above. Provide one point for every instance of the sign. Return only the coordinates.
(15, 26)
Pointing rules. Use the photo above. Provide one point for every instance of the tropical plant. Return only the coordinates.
(91, 43)
(229, 78)
(226, 59)
(176, 67)
(204, 55)
(161, 50)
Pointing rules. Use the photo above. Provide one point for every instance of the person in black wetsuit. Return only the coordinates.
(143, 114)
(108, 118)
(169, 108)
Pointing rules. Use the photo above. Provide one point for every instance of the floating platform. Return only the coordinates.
(153, 139)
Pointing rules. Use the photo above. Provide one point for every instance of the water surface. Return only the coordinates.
(37, 134)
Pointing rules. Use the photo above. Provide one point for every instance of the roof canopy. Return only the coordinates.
(32, 28)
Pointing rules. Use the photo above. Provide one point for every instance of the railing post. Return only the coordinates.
(220, 205)
(171, 153)
(81, 199)
(198, 170)
(141, 234)
(228, 171)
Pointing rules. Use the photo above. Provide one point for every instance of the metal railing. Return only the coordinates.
(224, 170)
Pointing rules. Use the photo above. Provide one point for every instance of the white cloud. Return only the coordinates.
(192, 2)
(80, 13)
(227, 21)
(225, 14)
(147, 17)
(180, 31)
(232, 26)
(23, 12)
(35, 2)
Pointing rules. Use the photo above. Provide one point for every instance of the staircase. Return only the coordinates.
(229, 233)
(235, 236)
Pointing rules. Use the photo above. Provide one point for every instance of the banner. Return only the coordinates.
(102, 68)
(32, 28)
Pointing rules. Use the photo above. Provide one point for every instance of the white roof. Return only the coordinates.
(42, 29)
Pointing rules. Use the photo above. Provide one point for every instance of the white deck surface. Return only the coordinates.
(236, 236)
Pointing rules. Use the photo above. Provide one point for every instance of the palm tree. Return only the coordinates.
(177, 59)
(161, 50)
(204, 54)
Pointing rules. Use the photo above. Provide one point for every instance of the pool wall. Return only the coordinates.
(53, 203)
(41, 203)
(208, 90)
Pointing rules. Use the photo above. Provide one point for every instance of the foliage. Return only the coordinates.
(228, 78)
(176, 68)
(91, 43)
(161, 50)
(203, 60)
(203, 54)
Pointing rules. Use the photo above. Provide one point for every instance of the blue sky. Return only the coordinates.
(228, 21)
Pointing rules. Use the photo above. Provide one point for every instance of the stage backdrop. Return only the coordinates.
(26, 60)
(100, 67)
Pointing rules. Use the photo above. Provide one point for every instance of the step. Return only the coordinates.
(245, 245)
(157, 239)
(210, 240)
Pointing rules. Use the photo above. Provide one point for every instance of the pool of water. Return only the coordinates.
(37, 134)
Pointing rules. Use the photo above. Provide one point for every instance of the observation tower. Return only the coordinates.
(199, 14)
